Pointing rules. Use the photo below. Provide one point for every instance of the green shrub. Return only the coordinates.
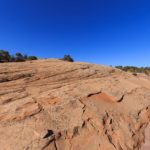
(68, 58)
(31, 58)
(4, 56)
(19, 57)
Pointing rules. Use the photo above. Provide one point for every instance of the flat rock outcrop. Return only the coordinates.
(55, 105)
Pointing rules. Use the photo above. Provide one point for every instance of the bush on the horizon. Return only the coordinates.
(4, 56)
(67, 58)
(134, 69)
(18, 57)
(32, 58)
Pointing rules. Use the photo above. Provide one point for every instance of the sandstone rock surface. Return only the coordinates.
(56, 105)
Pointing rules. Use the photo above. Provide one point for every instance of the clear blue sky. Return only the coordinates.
(111, 32)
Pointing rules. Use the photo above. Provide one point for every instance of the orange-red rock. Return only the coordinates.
(56, 105)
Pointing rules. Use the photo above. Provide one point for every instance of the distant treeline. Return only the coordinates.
(134, 69)
(5, 56)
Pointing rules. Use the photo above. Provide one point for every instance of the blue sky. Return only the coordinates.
(110, 32)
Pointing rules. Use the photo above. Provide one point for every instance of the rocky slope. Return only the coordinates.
(57, 105)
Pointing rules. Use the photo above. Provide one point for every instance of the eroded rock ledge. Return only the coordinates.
(56, 105)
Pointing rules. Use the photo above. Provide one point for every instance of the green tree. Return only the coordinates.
(4, 56)
(31, 58)
(68, 58)
(19, 57)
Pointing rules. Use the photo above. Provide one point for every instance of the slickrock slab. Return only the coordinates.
(55, 105)
(146, 145)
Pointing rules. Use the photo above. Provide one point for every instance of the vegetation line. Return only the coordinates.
(135, 70)
(18, 57)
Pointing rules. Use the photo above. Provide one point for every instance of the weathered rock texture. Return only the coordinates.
(57, 105)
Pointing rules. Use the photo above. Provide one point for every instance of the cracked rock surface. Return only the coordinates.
(55, 105)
